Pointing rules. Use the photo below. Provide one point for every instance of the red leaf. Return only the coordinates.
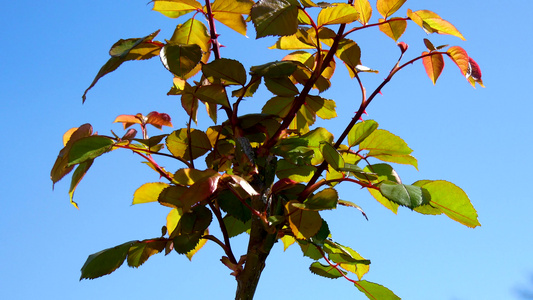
(158, 119)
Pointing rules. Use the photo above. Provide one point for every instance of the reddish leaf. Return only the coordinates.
(474, 73)
(158, 119)
(434, 65)
(460, 58)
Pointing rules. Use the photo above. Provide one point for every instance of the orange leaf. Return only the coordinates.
(459, 57)
(434, 65)
(128, 120)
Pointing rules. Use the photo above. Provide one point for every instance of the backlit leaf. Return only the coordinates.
(394, 29)
(375, 291)
(124, 50)
(299, 40)
(173, 217)
(338, 14)
(434, 65)
(323, 108)
(351, 204)
(198, 246)
(170, 196)
(139, 252)
(275, 17)
(180, 59)
(179, 145)
(282, 86)
(361, 131)
(80, 171)
(213, 94)
(201, 190)
(105, 261)
(89, 148)
(384, 201)
(386, 146)
(190, 176)
(325, 270)
(275, 69)
(431, 22)
(350, 53)
(388, 7)
(303, 223)
(325, 199)
(333, 157)
(229, 70)
(406, 195)
(235, 226)
(452, 201)
(364, 9)
(148, 192)
(191, 227)
(459, 57)
(176, 8)
(474, 73)
(297, 173)
(229, 13)
(61, 167)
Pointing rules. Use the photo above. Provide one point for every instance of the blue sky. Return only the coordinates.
(479, 139)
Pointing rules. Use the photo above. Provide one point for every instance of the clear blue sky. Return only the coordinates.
(480, 139)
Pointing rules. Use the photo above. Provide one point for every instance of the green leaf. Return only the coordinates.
(229, 70)
(323, 108)
(294, 172)
(229, 203)
(139, 252)
(124, 50)
(309, 249)
(323, 200)
(384, 172)
(361, 131)
(282, 86)
(350, 53)
(341, 13)
(80, 171)
(375, 291)
(393, 29)
(406, 195)
(275, 17)
(89, 148)
(171, 195)
(229, 13)
(325, 270)
(384, 201)
(214, 94)
(235, 226)
(386, 146)
(191, 228)
(333, 157)
(148, 192)
(342, 254)
(275, 69)
(179, 145)
(451, 200)
(434, 65)
(105, 261)
(304, 224)
(388, 7)
(180, 59)
(193, 32)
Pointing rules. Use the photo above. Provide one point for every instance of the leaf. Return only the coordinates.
(148, 192)
(158, 119)
(323, 200)
(180, 59)
(350, 53)
(342, 254)
(190, 176)
(176, 8)
(173, 218)
(213, 94)
(392, 206)
(364, 9)
(325, 270)
(89, 148)
(193, 32)
(61, 167)
(198, 246)
(275, 69)
(191, 228)
(452, 201)
(341, 13)
(297, 173)
(200, 191)
(406, 195)
(229, 13)
(361, 131)
(434, 65)
(351, 204)
(474, 73)
(388, 7)
(179, 145)
(105, 261)
(333, 157)
(229, 70)
(384, 172)
(460, 58)
(275, 17)
(386, 146)
(235, 226)
(124, 50)
(303, 223)
(80, 171)
(323, 108)
(299, 40)
(282, 86)
(170, 196)
(393, 29)
(139, 252)
(375, 291)
(431, 22)
(429, 45)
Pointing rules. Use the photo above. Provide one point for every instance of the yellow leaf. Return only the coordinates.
(199, 246)
(387, 7)
(338, 14)
(393, 29)
(190, 176)
(173, 218)
(287, 241)
(229, 13)
(364, 9)
(303, 223)
(148, 192)
(460, 58)
(384, 201)
(176, 8)
(431, 22)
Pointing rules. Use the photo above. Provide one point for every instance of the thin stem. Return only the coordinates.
(224, 230)
(372, 25)
(156, 166)
(155, 153)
